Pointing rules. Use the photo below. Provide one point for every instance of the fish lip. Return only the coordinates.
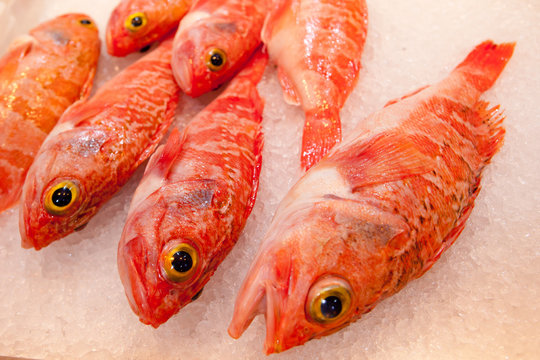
(183, 73)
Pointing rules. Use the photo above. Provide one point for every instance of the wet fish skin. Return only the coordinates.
(317, 45)
(198, 189)
(380, 208)
(162, 17)
(98, 144)
(41, 74)
(232, 26)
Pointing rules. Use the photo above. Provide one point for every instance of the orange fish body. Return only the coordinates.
(214, 41)
(378, 210)
(96, 147)
(317, 45)
(40, 76)
(194, 200)
(136, 24)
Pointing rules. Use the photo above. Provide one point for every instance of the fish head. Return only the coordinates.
(64, 187)
(165, 252)
(209, 52)
(312, 276)
(72, 32)
(136, 24)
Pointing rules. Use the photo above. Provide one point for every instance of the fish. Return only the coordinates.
(41, 74)
(95, 148)
(214, 41)
(378, 210)
(134, 25)
(317, 46)
(193, 201)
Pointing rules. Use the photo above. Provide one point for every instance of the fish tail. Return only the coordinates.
(485, 63)
(322, 130)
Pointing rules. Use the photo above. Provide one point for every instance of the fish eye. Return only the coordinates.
(328, 300)
(86, 23)
(216, 59)
(180, 263)
(136, 21)
(61, 198)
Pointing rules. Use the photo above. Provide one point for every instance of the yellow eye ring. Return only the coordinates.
(329, 300)
(62, 198)
(216, 59)
(180, 263)
(136, 21)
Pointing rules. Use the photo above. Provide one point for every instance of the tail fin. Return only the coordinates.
(485, 63)
(322, 130)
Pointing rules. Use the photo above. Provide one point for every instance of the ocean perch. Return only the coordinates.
(378, 210)
(193, 201)
(135, 24)
(40, 76)
(95, 148)
(317, 45)
(214, 41)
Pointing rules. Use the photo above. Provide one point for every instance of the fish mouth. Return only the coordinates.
(133, 281)
(262, 293)
(183, 73)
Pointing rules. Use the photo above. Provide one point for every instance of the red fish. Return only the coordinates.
(40, 76)
(214, 41)
(96, 147)
(136, 24)
(193, 201)
(378, 210)
(317, 45)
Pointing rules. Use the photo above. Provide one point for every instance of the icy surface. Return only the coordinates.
(480, 301)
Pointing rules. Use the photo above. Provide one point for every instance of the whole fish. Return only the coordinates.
(96, 147)
(40, 76)
(378, 210)
(135, 24)
(214, 41)
(193, 201)
(317, 45)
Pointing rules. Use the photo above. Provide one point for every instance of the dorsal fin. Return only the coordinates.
(383, 158)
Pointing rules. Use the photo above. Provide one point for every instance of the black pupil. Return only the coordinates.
(86, 22)
(136, 21)
(182, 261)
(331, 307)
(61, 197)
(216, 59)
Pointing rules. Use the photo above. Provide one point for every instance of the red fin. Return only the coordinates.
(255, 67)
(322, 130)
(485, 63)
(383, 158)
(158, 167)
(259, 143)
(493, 119)
(17, 50)
(280, 11)
(391, 102)
(451, 237)
(289, 93)
(161, 161)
